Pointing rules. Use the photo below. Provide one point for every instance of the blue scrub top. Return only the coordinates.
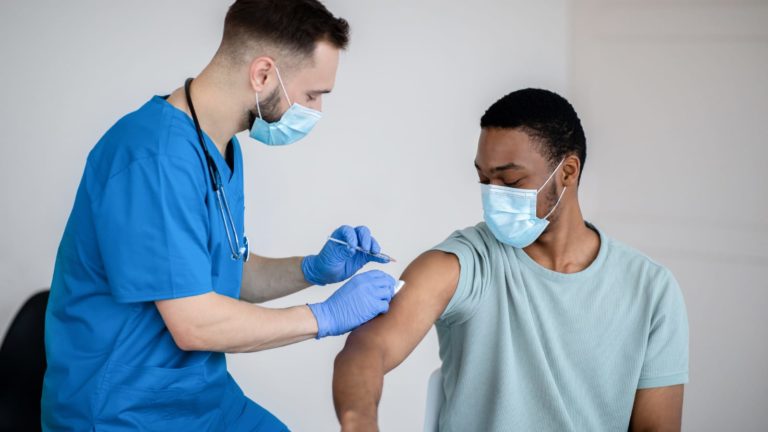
(145, 226)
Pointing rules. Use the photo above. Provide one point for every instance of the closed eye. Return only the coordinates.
(515, 183)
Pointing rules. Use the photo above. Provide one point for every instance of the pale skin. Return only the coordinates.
(504, 157)
(223, 94)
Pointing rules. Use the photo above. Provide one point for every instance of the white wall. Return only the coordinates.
(673, 96)
(674, 99)
(394, 151)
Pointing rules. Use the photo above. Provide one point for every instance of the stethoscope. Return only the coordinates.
(238, 252)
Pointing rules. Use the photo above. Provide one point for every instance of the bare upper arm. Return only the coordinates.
(657, 409)
(430, 282)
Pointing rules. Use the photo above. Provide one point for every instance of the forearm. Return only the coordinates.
(223, 324)
(266, 279)
(358, 379)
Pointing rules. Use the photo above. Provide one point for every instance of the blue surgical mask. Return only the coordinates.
(510, 213)
(294, 125)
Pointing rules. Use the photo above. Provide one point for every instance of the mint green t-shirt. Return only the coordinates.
(525, 348)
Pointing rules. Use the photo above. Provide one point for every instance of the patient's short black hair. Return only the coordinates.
(546, 117)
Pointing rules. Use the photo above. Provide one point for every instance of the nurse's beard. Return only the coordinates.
(270, 109)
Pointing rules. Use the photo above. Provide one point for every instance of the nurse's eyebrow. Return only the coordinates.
(318, 92)
(509, 166)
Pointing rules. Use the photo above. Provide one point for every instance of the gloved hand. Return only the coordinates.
(337, 262)
(359, 300)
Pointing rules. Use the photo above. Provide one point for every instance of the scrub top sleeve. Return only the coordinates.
(472, 256)
(666, 356)
(151, 223)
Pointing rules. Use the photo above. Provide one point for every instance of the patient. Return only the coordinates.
(545, 322)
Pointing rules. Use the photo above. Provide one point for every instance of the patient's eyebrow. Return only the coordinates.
(505, 167)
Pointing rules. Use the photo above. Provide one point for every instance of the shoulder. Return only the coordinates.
(156, 131)
(431, 280)
(654, 279)
(459, 246)
(475, 250)
(467, 260)
(632, 257)
(475, 239)
(435, 264)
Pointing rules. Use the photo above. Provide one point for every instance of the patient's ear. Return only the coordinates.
(571, 170)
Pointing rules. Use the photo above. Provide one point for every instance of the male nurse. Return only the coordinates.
(154, 281)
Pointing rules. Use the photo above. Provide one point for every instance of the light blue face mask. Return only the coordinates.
(510, 213)
(294, 125)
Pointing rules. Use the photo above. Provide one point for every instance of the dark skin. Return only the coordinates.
(510, 158)
(505, 157)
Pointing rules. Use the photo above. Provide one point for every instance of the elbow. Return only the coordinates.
(258, 299)
(253, 297)
(187, 339)
(185, 344)
(191, 321)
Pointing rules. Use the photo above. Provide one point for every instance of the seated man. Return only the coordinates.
(545, 323)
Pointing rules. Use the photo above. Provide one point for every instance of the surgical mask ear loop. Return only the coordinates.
(280, 80)
(561, 193)
(258, 108)
(550, 176)
(556, 204)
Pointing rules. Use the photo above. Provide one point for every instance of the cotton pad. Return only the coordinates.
(399, 285)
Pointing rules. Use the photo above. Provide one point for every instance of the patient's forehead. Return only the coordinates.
(497, 147)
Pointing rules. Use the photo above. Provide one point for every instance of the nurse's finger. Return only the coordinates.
(383, 306)
(346, 234)
(385, 285)
(375, 248)
(363, 237)
(385, 291)
(379, 277)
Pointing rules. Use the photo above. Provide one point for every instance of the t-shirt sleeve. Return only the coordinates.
(470, 249)
(666, 356)
(151, 224)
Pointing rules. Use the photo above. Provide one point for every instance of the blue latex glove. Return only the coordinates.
(359, 300)
(337, 262)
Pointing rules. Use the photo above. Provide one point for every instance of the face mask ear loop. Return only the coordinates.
(556, 204)
(550, 176)
(280, 79)
(258, 108)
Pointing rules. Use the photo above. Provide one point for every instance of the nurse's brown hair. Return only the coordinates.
(292, 26)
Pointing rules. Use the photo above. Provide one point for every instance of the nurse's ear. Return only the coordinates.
(258, 72)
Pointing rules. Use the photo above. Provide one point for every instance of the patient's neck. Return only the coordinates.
(568, 245)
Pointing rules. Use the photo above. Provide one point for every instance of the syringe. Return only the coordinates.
(359, 249)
